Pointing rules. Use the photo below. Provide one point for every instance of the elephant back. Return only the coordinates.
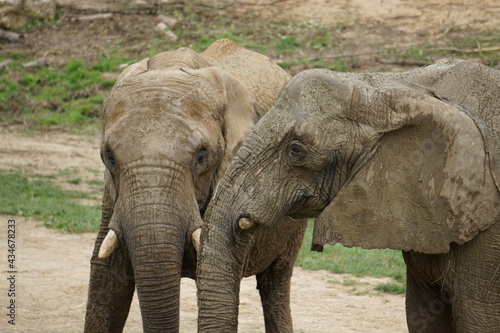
(471, 85)
(262, 77)
(182, 57)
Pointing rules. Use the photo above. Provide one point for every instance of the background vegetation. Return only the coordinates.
(70, 94)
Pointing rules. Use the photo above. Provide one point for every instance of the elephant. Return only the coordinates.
(171, 124)
(406, 161)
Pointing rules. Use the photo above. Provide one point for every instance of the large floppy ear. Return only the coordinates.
(425, 184)
(239, 118)
(238, 115)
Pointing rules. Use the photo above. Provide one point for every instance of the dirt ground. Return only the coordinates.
(53, 267)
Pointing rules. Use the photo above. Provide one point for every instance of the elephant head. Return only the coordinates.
(171, 125)
(405, 161)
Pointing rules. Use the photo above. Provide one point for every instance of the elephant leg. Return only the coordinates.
(274, 286)
(428, 304)
(476, 305)
(111, 290)
(111, 285)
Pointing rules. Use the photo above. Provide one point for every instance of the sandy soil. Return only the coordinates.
(53, 268)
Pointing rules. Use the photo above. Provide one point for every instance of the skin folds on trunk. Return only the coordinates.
(157, 244)
(152, 224)
(154, 229)
(219, 271)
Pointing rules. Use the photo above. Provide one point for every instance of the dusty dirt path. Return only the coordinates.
(53, 268)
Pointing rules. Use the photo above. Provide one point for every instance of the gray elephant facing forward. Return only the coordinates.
(407, 161)
(171, 125)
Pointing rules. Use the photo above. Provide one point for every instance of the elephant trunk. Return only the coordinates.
(156, 241)
(219, 271)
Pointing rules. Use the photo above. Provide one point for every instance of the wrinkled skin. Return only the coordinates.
(171, 125)
(406, 161)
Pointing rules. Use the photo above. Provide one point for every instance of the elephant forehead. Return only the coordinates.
(165, 92)
(159, 136)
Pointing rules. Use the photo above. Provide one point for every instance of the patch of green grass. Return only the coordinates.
(356, 261)
(287, 45)
(276, 38)
(349, 282)
(362, 292)
(39, 198)
(481, 47)
(71, 95)
(484, 47)
(96, 182)
(392, 288)
(75, 181)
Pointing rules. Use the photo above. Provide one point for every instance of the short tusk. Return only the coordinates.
(245, 223)
(196, 239)
(108, 245)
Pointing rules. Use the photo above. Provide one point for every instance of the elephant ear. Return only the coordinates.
(237, 113)
(424, 185)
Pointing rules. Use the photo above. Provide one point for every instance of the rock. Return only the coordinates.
(162, 28)
(168, 20)
(171, 36)
(14, 14)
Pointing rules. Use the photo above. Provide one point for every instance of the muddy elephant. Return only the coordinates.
(406, 161)
(171, 125)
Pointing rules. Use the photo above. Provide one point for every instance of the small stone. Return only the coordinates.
(163, 29)
(160, 27)
(168, 20)
(171, 36)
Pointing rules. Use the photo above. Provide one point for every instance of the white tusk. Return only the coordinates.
(245, 223)
(196, 239)
(108, 245)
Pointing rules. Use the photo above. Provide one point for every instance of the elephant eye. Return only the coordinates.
(201, 160)
(296, 151)
(110, 161)
(202, 157)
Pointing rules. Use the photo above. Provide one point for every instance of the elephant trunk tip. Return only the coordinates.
(108, 245)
